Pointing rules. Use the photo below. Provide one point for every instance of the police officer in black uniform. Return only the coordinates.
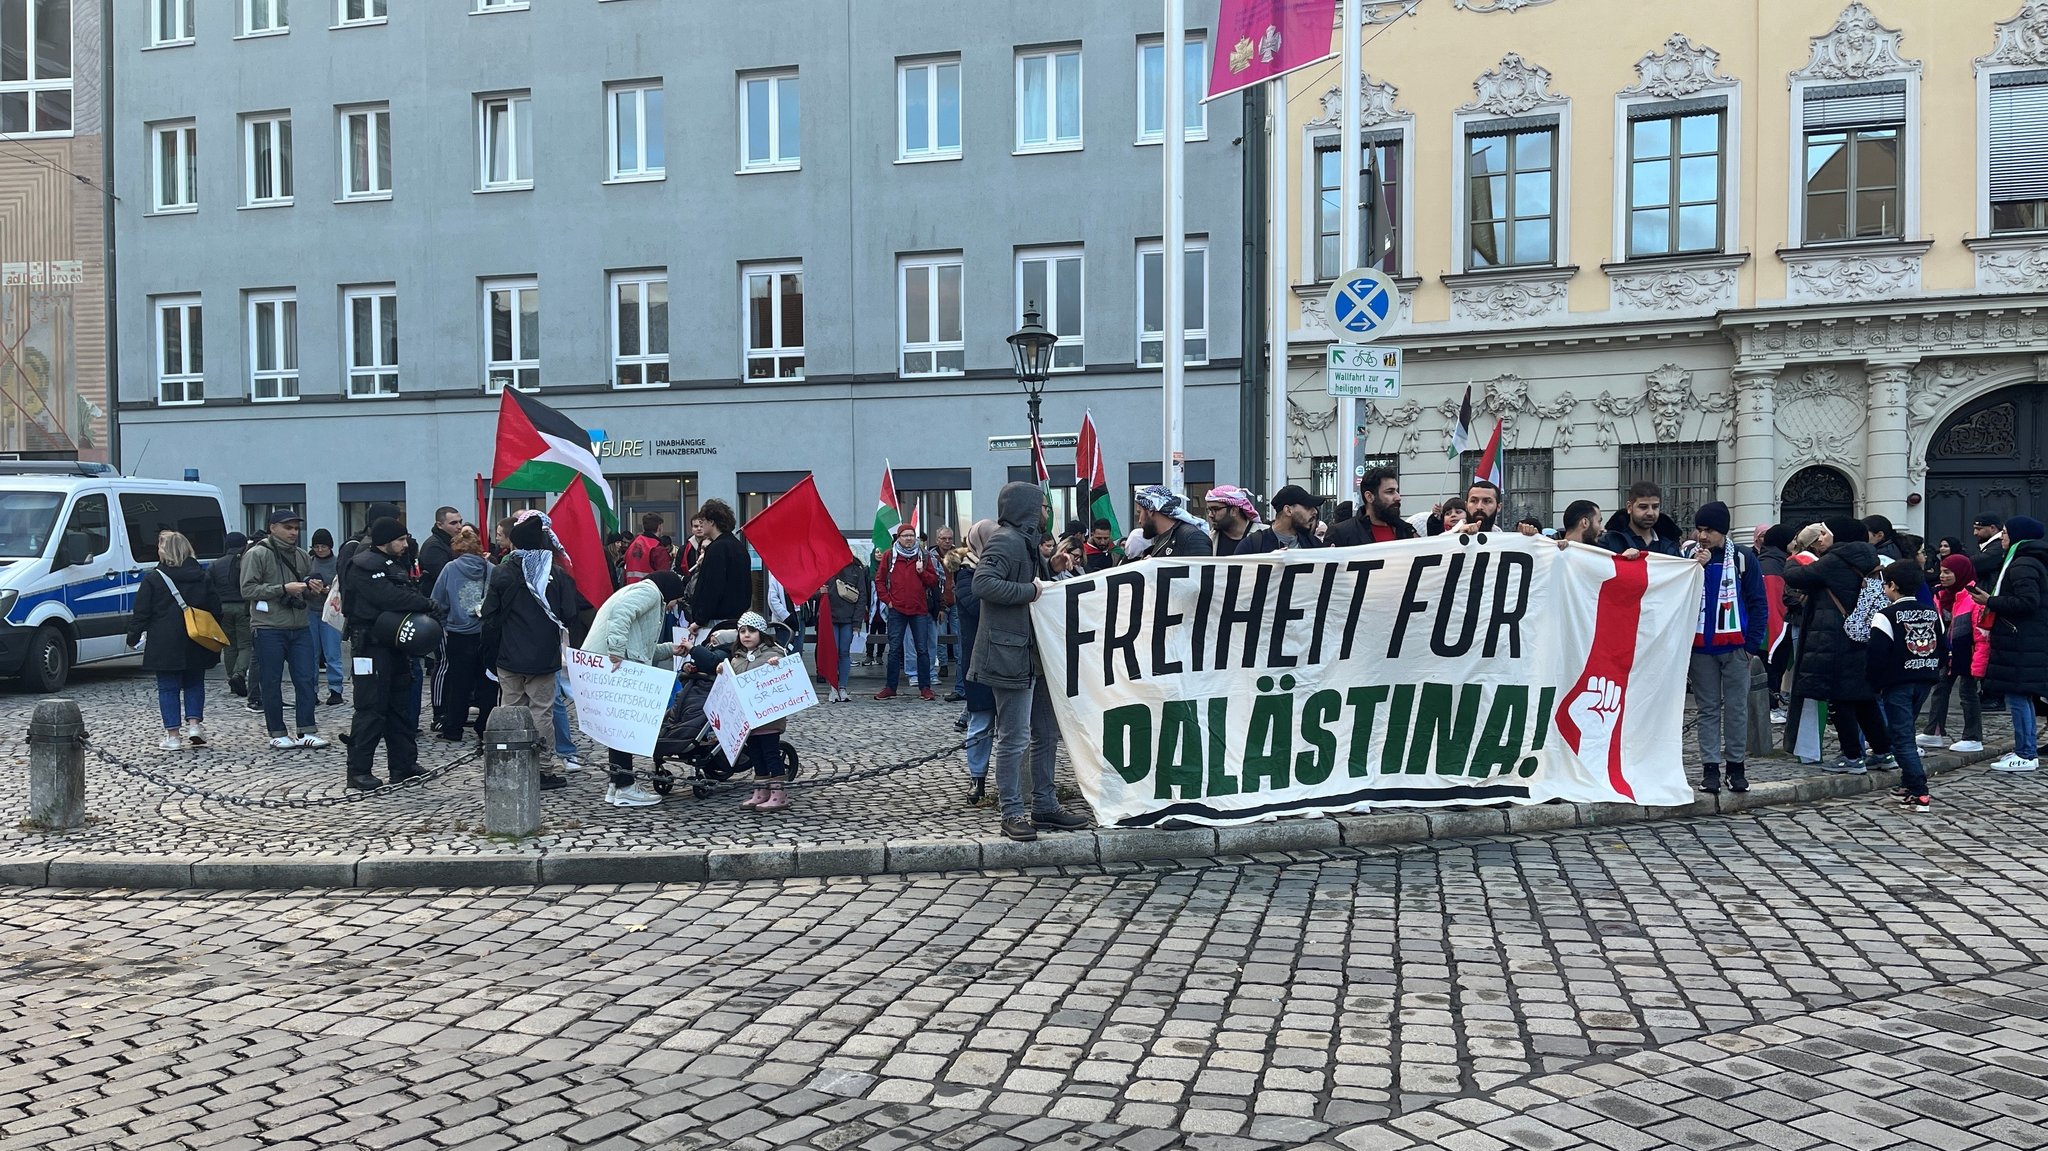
(380, 582)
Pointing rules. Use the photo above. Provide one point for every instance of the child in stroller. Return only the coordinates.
(686, 734)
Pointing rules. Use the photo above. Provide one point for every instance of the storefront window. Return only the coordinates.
(673, 498)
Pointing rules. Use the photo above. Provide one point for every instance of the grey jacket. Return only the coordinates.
(266, 567)
(1004, 655)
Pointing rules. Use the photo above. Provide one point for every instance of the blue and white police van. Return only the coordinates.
(76, 539)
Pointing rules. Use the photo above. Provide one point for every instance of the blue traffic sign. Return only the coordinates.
(1363, 305)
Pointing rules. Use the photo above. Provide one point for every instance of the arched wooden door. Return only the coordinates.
(1991, 456)
(1815, 493)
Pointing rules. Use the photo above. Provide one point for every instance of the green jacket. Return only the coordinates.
(266, 567)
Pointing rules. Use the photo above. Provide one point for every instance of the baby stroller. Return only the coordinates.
(686, 734)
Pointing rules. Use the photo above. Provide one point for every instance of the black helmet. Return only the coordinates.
(412, 632)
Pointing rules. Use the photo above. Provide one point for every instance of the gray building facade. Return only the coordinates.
(741, 242)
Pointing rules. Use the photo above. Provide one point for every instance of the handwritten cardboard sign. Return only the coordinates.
(620, 708)
(738, 704)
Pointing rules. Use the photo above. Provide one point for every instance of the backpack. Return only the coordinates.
(1869, 601)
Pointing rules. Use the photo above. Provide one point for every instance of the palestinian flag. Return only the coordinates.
(1489, 460)
(542, 450)
(1461, 433)
(1093, 477)
(886, 514)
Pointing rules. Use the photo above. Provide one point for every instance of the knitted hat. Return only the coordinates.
(1712, 517)
(530, 534)
(384, 531)
(1847, 529)
(234, 540)
(2025, 528)
(323, 538)
(670, 583)
(753, 620)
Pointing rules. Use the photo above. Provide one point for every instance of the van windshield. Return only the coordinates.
(27, 520)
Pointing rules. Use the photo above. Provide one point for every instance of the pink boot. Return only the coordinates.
(777, 799)
(759, 797)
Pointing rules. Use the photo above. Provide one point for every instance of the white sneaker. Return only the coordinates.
(634, 796)
(2013, 763)
(284, 743)
(193, 733)
(1966, 745)
(171, 742)
(2003, 762)
(572, 764)
(1930, 740)
(1778, 716)
(314, 742)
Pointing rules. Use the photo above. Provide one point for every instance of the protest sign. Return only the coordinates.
(739, 703)
(620, 708)
(1454, 670)
(727, 714)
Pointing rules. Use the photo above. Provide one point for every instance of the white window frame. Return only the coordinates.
(1196, 327)
(275, 12)
(1048, 307)
(635, 90)
(1731, 168)
(931, 265)
(1985, 74)
(1053, 141)
(486, 7)
(186, 136)
(182, 35)
(377, 128)
(778, 161)
(936, 151)
(642, 359)
(191, 316)
(521, 362)
(1200, 43)
(35, 87)
(285, 377)
(280, 173)
(375, 12)
(517, 104)
(776, 353)
(1910, 127)
(383, 299)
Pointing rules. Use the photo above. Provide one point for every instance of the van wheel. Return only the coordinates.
(48, 662)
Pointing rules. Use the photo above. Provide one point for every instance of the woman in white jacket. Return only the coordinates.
(628, 627)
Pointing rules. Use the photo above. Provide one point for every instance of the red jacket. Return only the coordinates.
(646, 556)
(902, 585)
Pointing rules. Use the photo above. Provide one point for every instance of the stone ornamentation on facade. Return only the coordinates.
(1856, 48)
(1991, 432)
(1852, 277)
(1377, 104)
(1496, 5)
(1681, 69)
(1816, 383)
(2022, 40)
(1821, 446)
(1509, 301)
(2013, 269)
(1511, 89)
(1935, 382)
(1955, 333)
(1674, 289)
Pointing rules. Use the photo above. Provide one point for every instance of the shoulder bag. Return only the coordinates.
(200, 626)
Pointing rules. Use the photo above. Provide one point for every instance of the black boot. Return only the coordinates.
(979, 792)
(1738, 777)
(1710, 778)
(238, 685)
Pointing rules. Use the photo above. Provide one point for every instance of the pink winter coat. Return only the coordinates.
(1968, 608)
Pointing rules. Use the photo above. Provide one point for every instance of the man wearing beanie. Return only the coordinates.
(628, 627)
(279, 586)
(1733, 619)
(380, 582)
(2018, 611)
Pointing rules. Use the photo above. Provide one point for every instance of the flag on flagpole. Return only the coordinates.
(541, 450)
(798, 542)
(1489, 460)
(1093, 477)
(1461, 432)
(1259, 40)
(575, 524)
(886, 514)
(1044, 475)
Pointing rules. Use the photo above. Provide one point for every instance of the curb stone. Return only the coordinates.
(1053, 849)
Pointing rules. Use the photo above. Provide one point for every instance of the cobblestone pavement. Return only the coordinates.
(1842, 975)
(841, 802)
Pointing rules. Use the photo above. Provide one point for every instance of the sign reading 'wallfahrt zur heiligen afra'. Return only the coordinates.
(1450, 670)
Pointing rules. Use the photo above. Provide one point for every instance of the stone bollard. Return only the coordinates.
(511, 773)
(56, 766)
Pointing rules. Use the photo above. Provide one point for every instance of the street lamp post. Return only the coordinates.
(1032, 345)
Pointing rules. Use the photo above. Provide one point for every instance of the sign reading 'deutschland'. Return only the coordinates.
(619, 707)
(1451, 670)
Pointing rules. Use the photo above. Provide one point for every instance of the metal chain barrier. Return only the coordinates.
(287, 802)
(874, 772)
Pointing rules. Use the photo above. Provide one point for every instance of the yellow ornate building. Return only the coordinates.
(1789, 254)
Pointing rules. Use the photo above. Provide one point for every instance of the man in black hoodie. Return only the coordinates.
(1642, 526)
(380, 582)
(2018, 610)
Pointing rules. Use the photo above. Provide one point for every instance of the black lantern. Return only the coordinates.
(1032, 345)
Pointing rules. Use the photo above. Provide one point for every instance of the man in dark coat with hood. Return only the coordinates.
(2018, 610)
(1642, 526)
(1010, 577)
(1830, 664)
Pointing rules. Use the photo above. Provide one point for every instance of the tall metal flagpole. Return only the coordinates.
(1280, 242)
(1347, 231)
(1173, 251)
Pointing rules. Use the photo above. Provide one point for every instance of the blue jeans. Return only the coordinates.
(842, 634)
(1025, 724)
(277, 648)
(176, 688)
(327, 645)
(565, 740)
(981, 739)
(2023, 736)
(920, 629)
(1900, 704)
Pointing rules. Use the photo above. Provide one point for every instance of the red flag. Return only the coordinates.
(828, 642)
(575, 524)
(1489, 460)
(798, 542)
(1038, 468)
(1776, 631)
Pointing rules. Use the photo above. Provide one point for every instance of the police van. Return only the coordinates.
(76, 540)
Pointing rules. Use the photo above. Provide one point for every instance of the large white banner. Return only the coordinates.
(1450, 670)
(619, 707)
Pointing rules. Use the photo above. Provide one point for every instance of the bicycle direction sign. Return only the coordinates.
(1363, 305)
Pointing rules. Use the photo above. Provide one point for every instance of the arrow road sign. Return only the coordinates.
(1363, 305)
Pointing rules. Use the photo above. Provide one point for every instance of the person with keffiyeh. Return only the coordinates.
(1233, 516)
(526, 613)
(1732, 625)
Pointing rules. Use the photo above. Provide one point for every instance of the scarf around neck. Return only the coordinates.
(536, 566)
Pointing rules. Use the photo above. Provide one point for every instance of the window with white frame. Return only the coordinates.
(1510, 200)
(769, 119)
(2019, 151)
(928, 103)
(371, 318)
(928, 289)
(636, 120)
(498, 5)
(1152, 306)
(265, 17)
(1152, 88)
(267, 159)
(640, 329)
(273, 346)
(511, 335)
(360, 12)
(366, 152)
(1049, 282)
(35, 67)
(174, 163)
(170, 22)
(775, 322)
(180, 351)
(1674, 179)
(505, 141)
(1049, 99)
(1854, 137)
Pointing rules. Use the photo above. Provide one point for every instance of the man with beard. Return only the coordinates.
(1233, 515)
(1379, 520)
(1170, 530)
(1294, 523)
(1642, 526)
(1482, 505)
(1581, 524)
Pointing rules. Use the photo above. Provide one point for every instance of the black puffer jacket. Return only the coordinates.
(158, 616)
(1619, 537)
(1830, 665)
(518, 635)
(725, 583)
(2019, 631)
